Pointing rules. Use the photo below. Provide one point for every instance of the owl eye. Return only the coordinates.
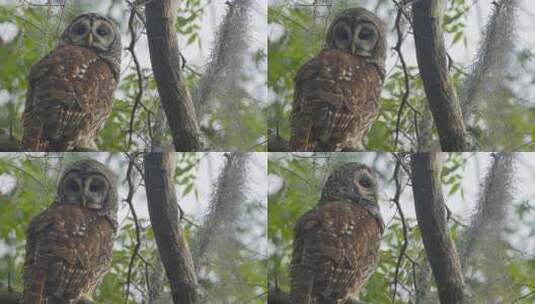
(366, 33)
(102, 31)
(342, 33)
(72, 186)
(79, 29)
(96, 186)
(366, 183)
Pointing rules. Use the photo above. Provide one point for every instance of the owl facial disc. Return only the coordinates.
(364, 39)
(92, 31)
(89, 191)
(352, 181)
(95, 192)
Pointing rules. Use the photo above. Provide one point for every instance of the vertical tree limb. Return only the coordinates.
(405, 244)
(432, 62)
(137, 244)
(431, 216)
(163, 211)
(165, 60)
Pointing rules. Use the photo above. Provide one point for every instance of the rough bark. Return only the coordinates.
(165, 59)
(431, 215)
(163, 211)
(432, 62)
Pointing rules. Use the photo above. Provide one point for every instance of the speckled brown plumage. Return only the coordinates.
(70, 91)
(336, 244)
(337, 93)
(69, 245)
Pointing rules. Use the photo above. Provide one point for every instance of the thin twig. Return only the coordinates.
(131, 49)
(406, 93)
(137, 245)
(402, 217)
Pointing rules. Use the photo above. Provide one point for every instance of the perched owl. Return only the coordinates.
(70, 90)
(336, 96)
(336, 244)
(69, 245)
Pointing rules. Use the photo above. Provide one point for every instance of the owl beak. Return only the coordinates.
(355, 45)
(84, 202)
(90, 39)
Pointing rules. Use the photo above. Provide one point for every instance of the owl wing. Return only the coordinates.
(34, 277)
(301, 274)
(335, 101)
(98, 247)
(335, 249)
(69, 95)
(48, 248)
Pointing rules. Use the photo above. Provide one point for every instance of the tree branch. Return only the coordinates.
(163, 211)
(406, 93)
(137, 244)
(165, 60)
(431, 216)
(432, 62)
(131, 48)
(405, 244)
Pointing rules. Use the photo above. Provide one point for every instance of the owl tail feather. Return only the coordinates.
(34, 290)
(302, 286)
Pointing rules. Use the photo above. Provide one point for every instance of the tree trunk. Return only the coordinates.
(165, 60)
(431, 215)
(432, 62)
(163, 211)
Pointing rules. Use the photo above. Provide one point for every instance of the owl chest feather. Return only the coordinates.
(339, 80)
(74, 235)
(72, 75)
(336, 101)
(336, 250)
(69, 249)
(70, 96)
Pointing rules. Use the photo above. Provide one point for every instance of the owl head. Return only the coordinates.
(98, 33)
(89, 184)
(352, 182)
(358, 32)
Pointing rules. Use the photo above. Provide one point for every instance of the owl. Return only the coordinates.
(336, 95)
(70, 90)
(336, 244)
(69, 245)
